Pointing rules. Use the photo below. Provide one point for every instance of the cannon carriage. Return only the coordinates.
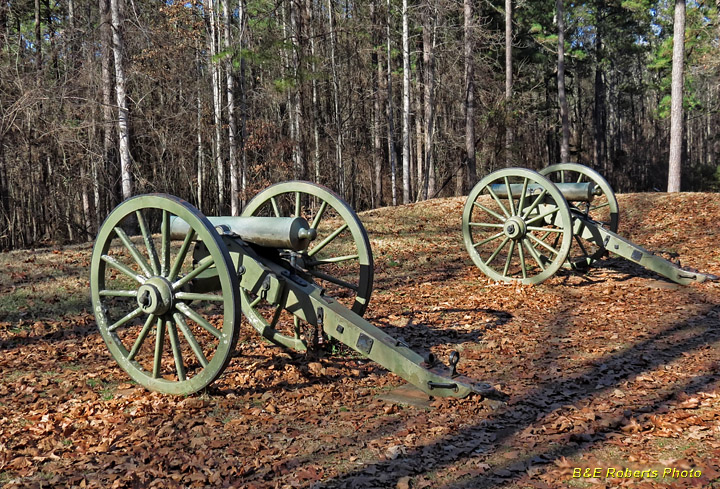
(298, 264)
(524, 226)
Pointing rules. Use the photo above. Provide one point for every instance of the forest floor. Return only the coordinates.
(613, 376)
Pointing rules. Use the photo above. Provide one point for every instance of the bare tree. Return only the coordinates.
(107, 110)
(336, 103)
(429, 43)
(390, 125)
(315, 100)
(123, 112)
(562, 96)
(298, 149)
(377, 113)
(469, 103)
(508, 81)
(406, 104)
(232, 123)
(214, 40)
(676, 110)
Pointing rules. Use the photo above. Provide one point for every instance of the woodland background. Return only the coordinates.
(383, 102)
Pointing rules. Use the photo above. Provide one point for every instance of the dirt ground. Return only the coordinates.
(613, 376)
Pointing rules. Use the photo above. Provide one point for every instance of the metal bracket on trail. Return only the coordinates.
(521, 225)
(297, 263)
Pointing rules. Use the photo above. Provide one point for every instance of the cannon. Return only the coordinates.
(168, 286)
(523, 226)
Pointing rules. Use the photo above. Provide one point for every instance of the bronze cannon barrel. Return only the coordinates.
(292, 233)
(573, 192)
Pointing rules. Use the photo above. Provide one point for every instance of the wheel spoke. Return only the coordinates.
(596, 207)
(508, 258)
(491, 212)
(159, 340)
(485, 225)
(190, 338)
(177, 354)
(582, 247)
(276, 210)
(149, 243)
(123, 268)
(327, 240)
(335, 280)
(185, 309)
(554, 210)
(491, 238)
(522, 261)
(192, 296)
(534, 254)
(202, 265)
(535, 203)
(498, 202)
(335, 259)
(580, 177)
(180, 258)
(297, 204)
(139, 259)
(545, 230)
(319, 215)
(497, 250)
(141, 337)
(511, 198)
(118, 293)
(128, 317)
(521, 204)
(165, 248)
(543, 244)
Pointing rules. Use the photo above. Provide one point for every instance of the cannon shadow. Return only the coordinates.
(509, 421)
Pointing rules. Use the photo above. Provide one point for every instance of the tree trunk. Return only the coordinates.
(38, 38)
(232, 124)
(336, 103)
(508, 83)
(106, 170)
(377, 113)
(429, 41)
(217, 104)
(406, 104)
(676, 110)
(123, 112)
(296, 94)
(244, 33)
(599, 124)
(419, 181)
(562, 96)
(469, 103)
(390, 125)
(200, 152)
(315, 100)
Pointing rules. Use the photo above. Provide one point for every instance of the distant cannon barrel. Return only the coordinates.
(530, 239)
(573, 192)
(292, 233)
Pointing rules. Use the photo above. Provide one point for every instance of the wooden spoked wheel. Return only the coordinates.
(165, 336)
(339, 259)
(602, 209)
(517, 226)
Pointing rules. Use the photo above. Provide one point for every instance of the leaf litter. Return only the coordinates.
(615, 368)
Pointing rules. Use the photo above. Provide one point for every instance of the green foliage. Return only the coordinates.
(699, 38)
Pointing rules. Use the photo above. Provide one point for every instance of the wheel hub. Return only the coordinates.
(515, 228)
(155, 296)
